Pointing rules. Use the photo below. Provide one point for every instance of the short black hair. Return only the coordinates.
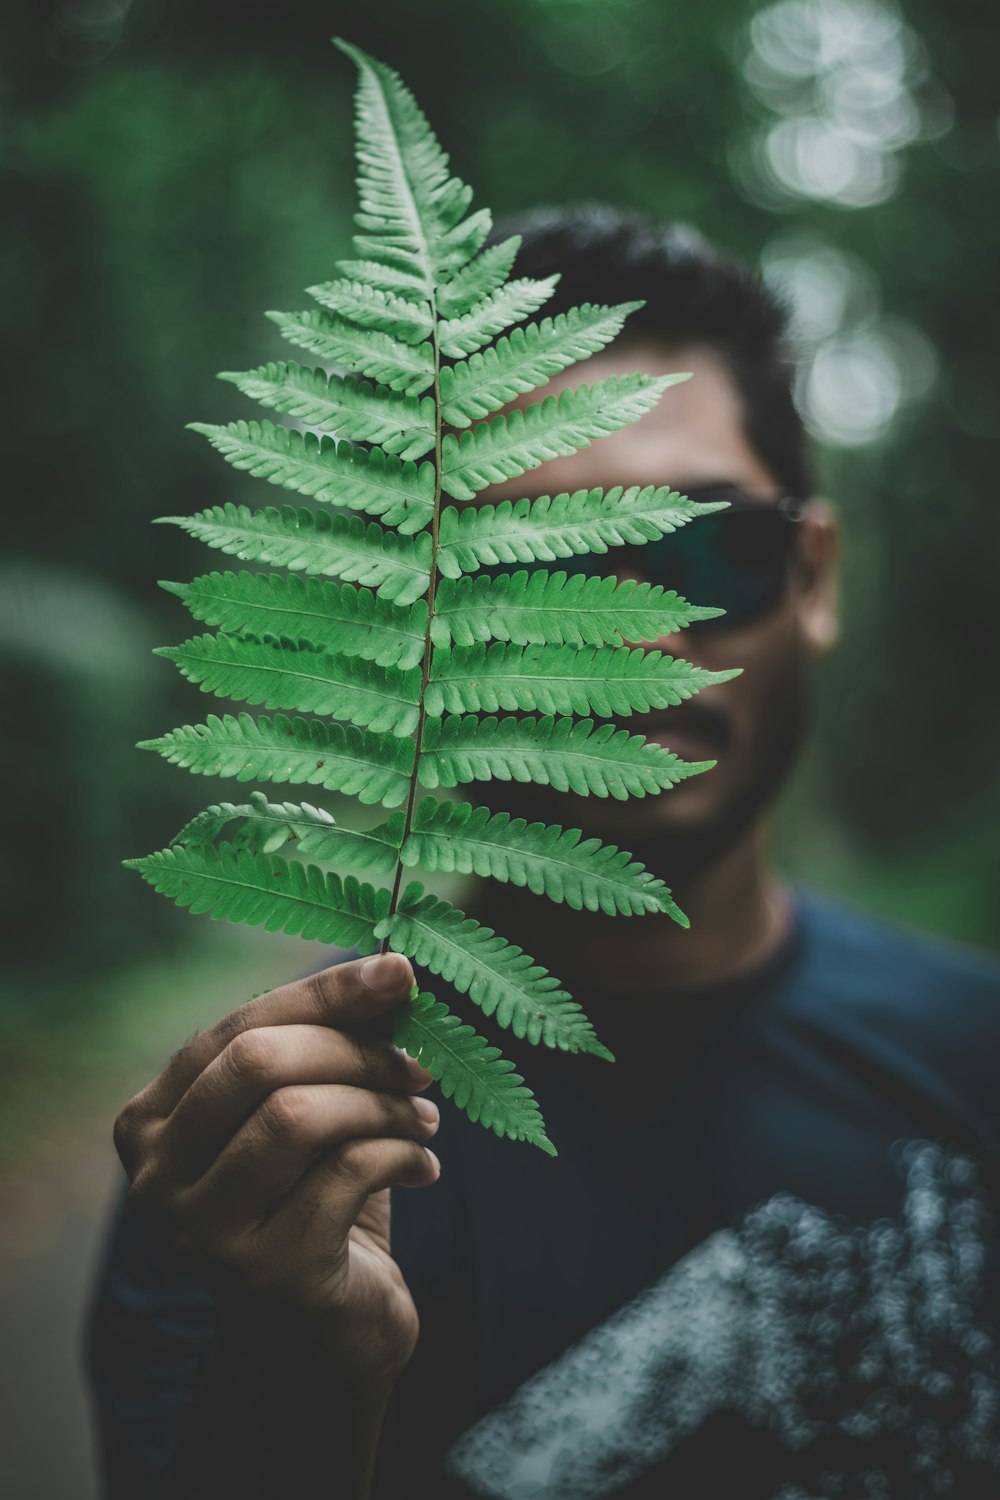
(691, 290)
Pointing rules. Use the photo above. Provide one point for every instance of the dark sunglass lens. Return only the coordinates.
(734, 560)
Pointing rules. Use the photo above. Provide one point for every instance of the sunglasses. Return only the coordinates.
(735, 559)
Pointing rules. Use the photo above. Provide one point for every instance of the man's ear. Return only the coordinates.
(816, 566)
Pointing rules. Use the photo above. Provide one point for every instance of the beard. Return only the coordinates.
(757, 761)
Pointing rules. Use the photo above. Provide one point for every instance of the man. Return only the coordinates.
(760, 1265)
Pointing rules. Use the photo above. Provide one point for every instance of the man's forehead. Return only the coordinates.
(694, 435)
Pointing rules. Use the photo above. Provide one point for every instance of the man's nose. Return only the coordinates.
(676, 643)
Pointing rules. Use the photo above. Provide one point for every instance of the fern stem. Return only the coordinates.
(425, 670)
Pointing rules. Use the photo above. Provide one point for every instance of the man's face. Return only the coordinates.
(751, 724)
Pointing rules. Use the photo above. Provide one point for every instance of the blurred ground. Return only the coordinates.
(59, 1173)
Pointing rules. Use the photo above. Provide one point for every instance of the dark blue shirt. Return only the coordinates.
(765, 1261)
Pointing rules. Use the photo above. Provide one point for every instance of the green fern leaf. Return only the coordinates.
(372, 767)
(351, 408)
(266, 827)
(502, 979)
(341, 474)
(478, 279)
(478, 385)
(330, 616)
(281, 674)
(409, 200)
(602, 680)
(469, 1071)
(569, 755)
(508, 304)
(404, 318)
(541, 608)
(405, 649)
(559, 425)
(392, 362)
(236, 885)
(550, 860)
(564, 525)
(316, 542)
(372, 273)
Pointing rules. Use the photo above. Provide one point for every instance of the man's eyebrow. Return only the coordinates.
(707, 484)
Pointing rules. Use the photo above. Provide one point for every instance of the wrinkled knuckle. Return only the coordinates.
(285, 1114)
(230, 1026)
(126, 1128)
(322, 989)
(368, 1060)
(357, 1160)
(393, 1114)
(251, 1056)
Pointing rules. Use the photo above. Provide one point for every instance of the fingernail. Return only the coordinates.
(384, 972)
(434, 1159)
(427, 1110)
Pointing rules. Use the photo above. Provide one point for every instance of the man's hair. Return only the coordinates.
(691, 291)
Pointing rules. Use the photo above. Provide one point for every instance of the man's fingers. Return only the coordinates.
(258, 1063)
(345, 995)
(282, 1141)
(328, 1199)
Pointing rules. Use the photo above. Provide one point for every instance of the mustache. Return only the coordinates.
(703, 720)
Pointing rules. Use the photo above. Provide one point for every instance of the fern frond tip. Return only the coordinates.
(697, 767)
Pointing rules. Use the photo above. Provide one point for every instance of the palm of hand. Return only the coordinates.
(377, 1322)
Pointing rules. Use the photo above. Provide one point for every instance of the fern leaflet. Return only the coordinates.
(502, 979)
(352, 409)
(511, 445)
(549, 860)
(343, 474)
(267, 827)
(338, 757)
(237, 885)
(548, 528)
(508, 304)
(470, 1071)
(397, 365)
(330, 616)
(514, 365)
(317, 542)
(477, 279)
(567, 754)
(552, 609)
(282, 674)
(604, 680)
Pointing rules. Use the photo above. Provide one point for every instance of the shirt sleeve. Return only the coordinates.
(150, 1341)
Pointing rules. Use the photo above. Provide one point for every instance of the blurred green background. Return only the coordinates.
(174, 167)
(170, 169)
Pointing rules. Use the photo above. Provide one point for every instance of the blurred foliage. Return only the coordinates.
(172, 167)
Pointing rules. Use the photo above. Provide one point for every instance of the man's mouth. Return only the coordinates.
(694, 732)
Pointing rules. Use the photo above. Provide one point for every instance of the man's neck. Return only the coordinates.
(740, 914)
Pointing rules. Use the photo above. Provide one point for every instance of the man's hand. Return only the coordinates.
(267, 1147)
